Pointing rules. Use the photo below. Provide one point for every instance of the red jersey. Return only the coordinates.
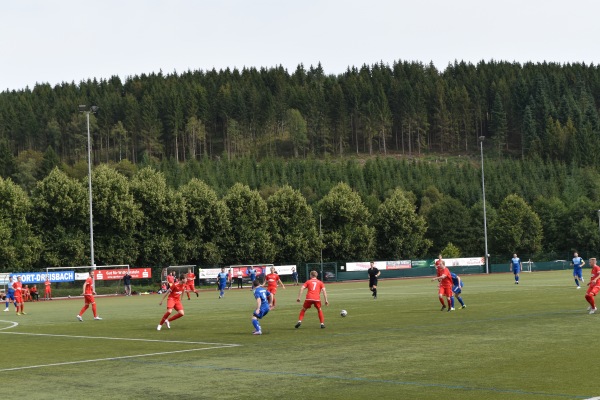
(447, 281)
(89, 286)
(47, 284)
(177, 290)
(272, 280)
(18, 286)
(190, 277)
(314, 287)
(595, 274)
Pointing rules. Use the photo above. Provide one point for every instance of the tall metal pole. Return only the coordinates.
(598, 211)
(90, 190)
(92, 109)
(321, 237)
(487, 267)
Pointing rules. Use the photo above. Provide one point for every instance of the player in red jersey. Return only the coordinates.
(593, 286)
(191, 277)
(18, 287)
(88, 297)
(272, 280)
(173, 302)
(445, 284)
(313, 297)
(47, 289)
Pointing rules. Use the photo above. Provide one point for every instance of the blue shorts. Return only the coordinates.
(10, 296)
(578, 272)
(515, 270)
(262, 313)
(456, 290)
(222, 285)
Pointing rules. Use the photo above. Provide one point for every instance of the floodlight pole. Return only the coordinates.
(487, 267)
(83, 108)
(598, 211)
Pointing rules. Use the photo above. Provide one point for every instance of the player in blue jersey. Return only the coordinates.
(222, 282)
(264, 302)
(516, 267)
(251, 272)
(10, 293)
(457, 285)
(577, 264)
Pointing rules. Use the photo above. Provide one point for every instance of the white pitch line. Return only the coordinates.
(117, 338)
(110, 358)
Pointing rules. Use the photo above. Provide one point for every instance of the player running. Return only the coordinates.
(445, 285)
(10, 293)
(18, 288)
(88, 297)
(173, 302)
(457, 285)
(577, 264)
(593, 286)
(313, 297)
(191, 277)
(272, 280)
(515, 266)
(264, 302)
(222, 282)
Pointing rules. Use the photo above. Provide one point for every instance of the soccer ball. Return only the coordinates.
(343, 313)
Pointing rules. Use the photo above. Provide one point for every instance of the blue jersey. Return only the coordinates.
(577, 261)
(262, 294)
(222, 278)
(11, 290)
(456, 288)
(516, 262)
(252, 273)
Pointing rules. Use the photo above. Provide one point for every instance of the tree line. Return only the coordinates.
(219, 212)
(542, 111)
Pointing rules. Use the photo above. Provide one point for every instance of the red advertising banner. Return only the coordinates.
(116, 274)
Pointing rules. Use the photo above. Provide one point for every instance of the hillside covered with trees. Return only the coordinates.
(381, 162)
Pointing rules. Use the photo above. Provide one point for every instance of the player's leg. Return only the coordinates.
(375, 290)
(306, 306)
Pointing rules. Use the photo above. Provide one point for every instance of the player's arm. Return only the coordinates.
(300, 293)
(282, 285)
(325, 295)
(257, 305)
(164, 295)
(270, 297)
(582, 263)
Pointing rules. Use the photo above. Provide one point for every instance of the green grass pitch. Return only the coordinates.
(526, 341)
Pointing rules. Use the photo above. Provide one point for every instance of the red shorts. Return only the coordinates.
(446, 291)
(309, 303)
(88, 298)
(593, 290)
(190, 286)
(48, 290)
(272, 290)
(174, 304)
(19, 298)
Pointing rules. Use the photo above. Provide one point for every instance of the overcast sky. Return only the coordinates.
(55, 41)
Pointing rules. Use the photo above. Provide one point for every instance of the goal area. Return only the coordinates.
(528, 266)
(178, 270)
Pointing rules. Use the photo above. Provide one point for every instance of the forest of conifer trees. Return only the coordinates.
(210, 167)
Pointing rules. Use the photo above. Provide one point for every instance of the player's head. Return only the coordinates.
(314, 274)
(575, 254)
(441, 264)
(255, 283)
(222, 269)
(515, 255)
(372, 263)
(182, 278)
(593, 261)
(19, 278)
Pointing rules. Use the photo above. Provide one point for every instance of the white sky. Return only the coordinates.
(55, 41)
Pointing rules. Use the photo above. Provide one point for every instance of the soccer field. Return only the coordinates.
(526, 341)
